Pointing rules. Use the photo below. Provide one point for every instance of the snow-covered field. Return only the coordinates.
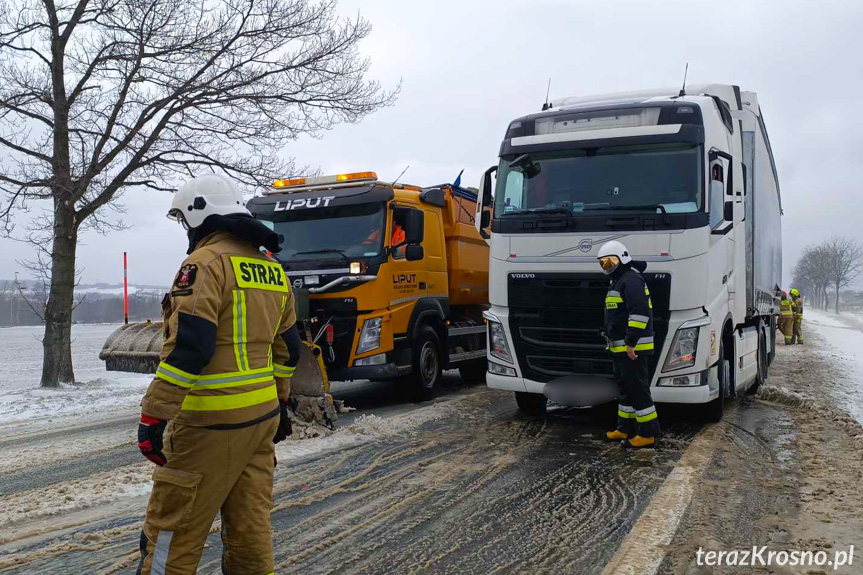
(844, 337)
(98, 394)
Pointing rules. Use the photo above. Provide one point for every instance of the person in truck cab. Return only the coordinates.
(398, 235)
(629, 331)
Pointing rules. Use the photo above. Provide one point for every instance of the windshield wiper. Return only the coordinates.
(660, 207)
(565, 211)
(324, 251)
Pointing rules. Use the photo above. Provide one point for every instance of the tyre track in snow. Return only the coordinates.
(484, 490)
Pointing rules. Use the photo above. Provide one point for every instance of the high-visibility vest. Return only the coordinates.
(785, 308)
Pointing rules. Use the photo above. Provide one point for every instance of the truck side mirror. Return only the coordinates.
(414, 227)
(485, 199)
(414, 252)
(485, 187)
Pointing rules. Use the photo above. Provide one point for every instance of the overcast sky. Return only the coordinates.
(468, 67)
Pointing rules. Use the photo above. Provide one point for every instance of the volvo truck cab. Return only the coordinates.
(688, 183)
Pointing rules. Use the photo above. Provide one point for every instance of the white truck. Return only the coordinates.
(687, 181)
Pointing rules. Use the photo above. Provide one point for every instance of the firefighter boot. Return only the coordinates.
(616, 435)
(639, 442)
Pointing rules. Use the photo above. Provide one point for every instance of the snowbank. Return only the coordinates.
(101, 399)
(844, 350)
(821, 318)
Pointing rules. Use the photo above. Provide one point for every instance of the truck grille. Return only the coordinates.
(556, 320)
(342, 313)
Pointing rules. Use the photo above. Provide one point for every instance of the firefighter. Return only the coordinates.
(629, 330)
(218, 403)
(797, 331)
(786, 317)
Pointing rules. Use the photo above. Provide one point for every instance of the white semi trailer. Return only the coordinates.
(687, 181)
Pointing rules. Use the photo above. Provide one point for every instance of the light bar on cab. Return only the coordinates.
(323, 180)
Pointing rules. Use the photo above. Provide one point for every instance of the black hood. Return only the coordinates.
(637, 265)
(241, 225)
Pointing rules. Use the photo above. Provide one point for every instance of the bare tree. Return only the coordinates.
(810, 275)
(100, 96)
(845, 263)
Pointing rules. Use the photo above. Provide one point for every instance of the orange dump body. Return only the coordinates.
(466, 252)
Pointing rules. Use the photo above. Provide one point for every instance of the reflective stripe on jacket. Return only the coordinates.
(223, 362)
(629, 314)
(786, 308)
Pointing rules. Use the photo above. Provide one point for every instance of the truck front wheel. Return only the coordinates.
(427, 364)
(531, 403)
(716, 408)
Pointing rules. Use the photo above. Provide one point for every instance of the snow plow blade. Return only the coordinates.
(135, 348)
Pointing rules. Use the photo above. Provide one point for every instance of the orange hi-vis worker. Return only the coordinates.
(398, 236)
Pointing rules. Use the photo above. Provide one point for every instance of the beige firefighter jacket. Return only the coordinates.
(798, 307)
(219, 365)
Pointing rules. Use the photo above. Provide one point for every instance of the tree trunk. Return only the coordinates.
(57, 343)
(837, 297)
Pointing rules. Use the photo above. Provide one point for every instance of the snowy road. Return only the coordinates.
(464, 484)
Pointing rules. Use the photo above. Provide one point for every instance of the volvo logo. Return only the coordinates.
(523, 276)
(298, 283)
(585, 245)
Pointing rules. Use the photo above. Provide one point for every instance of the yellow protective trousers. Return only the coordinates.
(786, 327)
(798, 330)
(211, 471)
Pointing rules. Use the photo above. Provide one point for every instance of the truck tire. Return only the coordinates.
(474, 372)
(763, 365)
(427, 364)
(531, 403)
(715, 409)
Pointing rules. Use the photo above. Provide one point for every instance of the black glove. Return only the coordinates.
(284, 430)
(150, 432)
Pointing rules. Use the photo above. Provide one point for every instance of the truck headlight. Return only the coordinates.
(497, 341)
(370, 337)
(683, 349)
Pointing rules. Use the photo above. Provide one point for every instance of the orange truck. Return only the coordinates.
(391, 279)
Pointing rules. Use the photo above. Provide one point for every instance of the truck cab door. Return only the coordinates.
(406, 255)
(484, 203)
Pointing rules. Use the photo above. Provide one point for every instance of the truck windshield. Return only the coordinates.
(332, 233)
(584, 180)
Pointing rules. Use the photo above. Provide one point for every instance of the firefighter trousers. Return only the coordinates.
(797, 330)
(636, 414)
(785, 326)
(211, 471)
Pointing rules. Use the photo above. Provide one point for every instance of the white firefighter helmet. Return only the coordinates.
(205, 196)
(611, 255)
